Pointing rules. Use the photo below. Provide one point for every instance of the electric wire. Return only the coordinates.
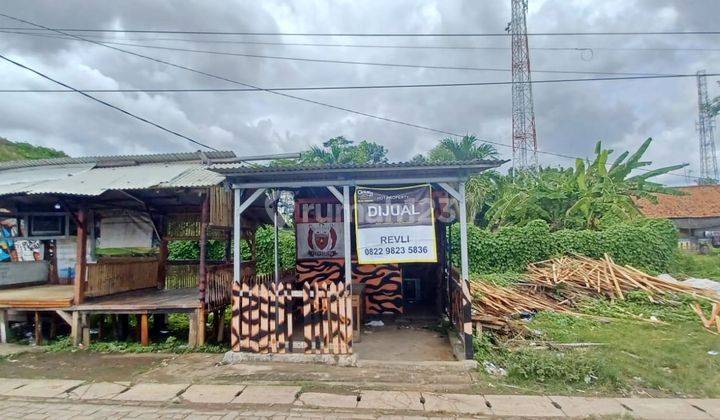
(371, 34)
(352, 87)
(324, 104)
(115, 107)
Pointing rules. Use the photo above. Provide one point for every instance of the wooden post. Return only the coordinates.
(220, 325)
(76, 328)
(81, 262)
(201, 316)
(192, 327)
(85, 329)
(162, 263)
(202, 269)
(4, 326)
(144, 336)
(38, 329)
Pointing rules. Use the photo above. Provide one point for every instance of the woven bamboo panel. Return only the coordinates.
(221, 207)
(116, 275)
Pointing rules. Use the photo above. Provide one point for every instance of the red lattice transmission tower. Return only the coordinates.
(524, 139)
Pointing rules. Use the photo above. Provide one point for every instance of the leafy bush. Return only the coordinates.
(265, 249)
(648, 245)
(190, 250)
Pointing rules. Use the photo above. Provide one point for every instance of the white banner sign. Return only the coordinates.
(395, 225)
(319, 240)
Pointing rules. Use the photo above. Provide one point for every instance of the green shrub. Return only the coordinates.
(265, 249)
(647, 244)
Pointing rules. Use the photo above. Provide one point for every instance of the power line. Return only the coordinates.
(324, 104)
(351, 87)
(117, 108)
(359, 34)
(351, 62)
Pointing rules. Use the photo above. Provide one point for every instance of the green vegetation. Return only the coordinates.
(685, 264)
(630, 356)
(170, 345)
(20, 151)
(591, 195)
(339, 150)
(644, 244)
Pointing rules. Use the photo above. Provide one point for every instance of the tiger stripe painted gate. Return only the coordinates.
(265, 314)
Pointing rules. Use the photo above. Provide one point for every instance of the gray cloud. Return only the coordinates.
(570, 117)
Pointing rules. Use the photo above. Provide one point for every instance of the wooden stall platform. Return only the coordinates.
(144, 301)
(49, 296)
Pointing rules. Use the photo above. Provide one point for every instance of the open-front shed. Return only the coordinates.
(371, 240)
(83, 236)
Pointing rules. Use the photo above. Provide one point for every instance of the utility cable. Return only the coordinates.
(340, 108)
(115, 107)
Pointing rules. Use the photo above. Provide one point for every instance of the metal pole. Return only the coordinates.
(237, 255)
(346, 237)
(464, 267)
(275, 224)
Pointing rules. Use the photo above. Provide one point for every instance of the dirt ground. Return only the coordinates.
(399, 340)
(206, 368)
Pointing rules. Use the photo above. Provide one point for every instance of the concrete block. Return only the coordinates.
(212, 394)
(44, 388)
(97, 391)
(390, 400)
(711, 406)
(663, 408)
(456, 403)
(523, 406)
(152, 392)
(321, 400)
(596, 407)
(260, 394)
(8, 384)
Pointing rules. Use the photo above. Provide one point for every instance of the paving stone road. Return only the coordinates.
(72, 399)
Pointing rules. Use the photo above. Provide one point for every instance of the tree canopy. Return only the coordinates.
(467, 148)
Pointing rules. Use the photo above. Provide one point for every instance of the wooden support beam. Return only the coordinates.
(4, 326)
(162, 263)
(202, 269)
(81, 262)
(65, 317)
(85, 329)
(76, 328)
(201, 317)
(144, 330)
(38, 329)
(220, 325)
(192, 329)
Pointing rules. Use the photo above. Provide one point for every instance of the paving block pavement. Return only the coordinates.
(97, 391)
(7, 384)
(663, 408)
(456, 403)
(212, 394)
(267, 395)
(523, 406)
(320, 400)
(152, 392)
(710, 406)
(46, 388)
(390, 400)
(585, 406)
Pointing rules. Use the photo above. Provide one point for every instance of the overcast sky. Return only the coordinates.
(570, 117)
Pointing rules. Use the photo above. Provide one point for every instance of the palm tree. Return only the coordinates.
(467, 148)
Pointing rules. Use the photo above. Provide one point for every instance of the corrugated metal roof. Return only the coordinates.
(241, 168)
(87, 180)
(119, 160)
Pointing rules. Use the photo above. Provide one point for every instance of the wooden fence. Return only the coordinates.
(221, 207)
(116, 275)
(218, 291)
(267, 316)
(460, 310)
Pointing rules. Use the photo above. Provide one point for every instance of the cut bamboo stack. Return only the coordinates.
(557, 284)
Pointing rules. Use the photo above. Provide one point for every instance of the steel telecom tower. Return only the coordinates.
(524, 139)
(705, 126)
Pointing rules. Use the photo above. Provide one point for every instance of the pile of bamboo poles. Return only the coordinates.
(557, 284)
(578, 275)
(497, 307)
